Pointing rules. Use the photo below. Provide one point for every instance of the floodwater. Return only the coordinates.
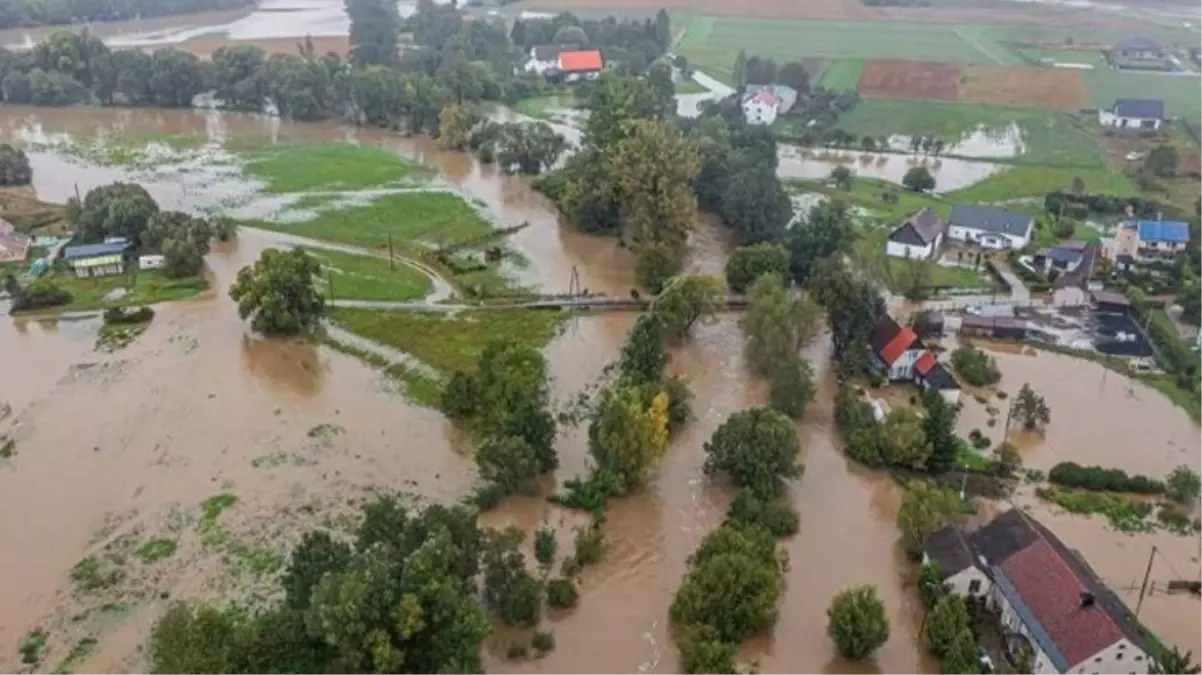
(950, 173)
(113, 448)
(983, 142)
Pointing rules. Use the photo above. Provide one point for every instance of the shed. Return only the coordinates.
(994, 327)
(1111, 303)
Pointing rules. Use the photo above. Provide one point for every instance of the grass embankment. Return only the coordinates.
(347, 276)
(147, 287)
(329, 166)
(1126, 514)
(444, 342)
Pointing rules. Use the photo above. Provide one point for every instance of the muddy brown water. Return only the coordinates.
(129, 444)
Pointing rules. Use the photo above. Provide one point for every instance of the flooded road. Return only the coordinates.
(128, 446)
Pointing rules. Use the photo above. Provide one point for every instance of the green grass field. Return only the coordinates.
(842, 75)
(1003, 33)
(346, 276)
(1020, 182)
(900, 271)
(866, 194)
(714, 40)
(148, 288)
(1048, 137)
(1182, 94)
(1089, 56)
(329, 166)
(539, 107)
(411, 218)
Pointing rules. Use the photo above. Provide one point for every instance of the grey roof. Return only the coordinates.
(1143, 108)
(1065, 254)
(919, 229)
(989, 219)
(940, 379)
(1110, 298)
(94, 250)
(1138, 44)
(551, 52)
(948, 549)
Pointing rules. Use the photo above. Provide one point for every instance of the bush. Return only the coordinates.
(544, 545)
(590, 544)
(122, 315)
(979, 440)
(1071, 474)
(701, 651)
(543, 642)
(1183, 485)
(562, 593)
(40, 294)
(776, 516)
(975, 366)
(856, 622)
(749, 263)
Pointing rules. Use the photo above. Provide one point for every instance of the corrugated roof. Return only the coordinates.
(91, 250)
(1143, 108)
(581, 61)
(1138, 44)
(989, 219)
(97, 261)
(1052, 593)
(1109, 298)
(1171, 231)
(551, 52)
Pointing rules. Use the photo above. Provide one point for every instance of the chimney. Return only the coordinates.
(1087, 600)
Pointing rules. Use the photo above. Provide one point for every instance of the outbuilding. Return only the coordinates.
(97, 260)
(1141, 114)
(1107, 302)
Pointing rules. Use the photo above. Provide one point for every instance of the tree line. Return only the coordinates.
(17, 13)
(630, 43)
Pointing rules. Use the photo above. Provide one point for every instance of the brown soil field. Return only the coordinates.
(910, 79)
(848, 10)
(1049, 87)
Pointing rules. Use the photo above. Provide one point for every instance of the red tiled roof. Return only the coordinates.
(1053, 594)
(588, 60)
(898, 345)
(925, 363)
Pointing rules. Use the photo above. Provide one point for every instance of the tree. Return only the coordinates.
(1183, 485)
(794, 74)
(510, 591)
(616, 104)
(529, 148)
(686, 299)
(925, 508)
(570, 35)
(317, 555)
(14, 166)
(702, 651)
(757, 448)
(508, 464)
(655, 167)
(1174, 662)
(1030, 409)
(930, 583)
(777, 324)
(919, 179)
(16, 87)
(792, 387)
(756, 206)
(277, 292)
(645, 351)
(853, 308)
(732, 586)
(176, 77)
(975, 366)
(1162, 161)
(939, 427)
(739, 71)
(947, 618)
(856, 622)
(663, 30)
(827, 232)
(843, 177)
(659, 78)
(903, 440)
(749, 263)
(962, 656)
(1078, 186)
(373, 34)
(627, 437)
(116, 210)
(455, 124)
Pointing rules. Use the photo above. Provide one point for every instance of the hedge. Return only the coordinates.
(1071, 474)
(1174, 354)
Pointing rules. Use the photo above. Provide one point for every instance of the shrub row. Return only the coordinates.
(1071, 474)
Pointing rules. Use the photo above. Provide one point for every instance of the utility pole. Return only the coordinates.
(391, 262)
(1143, 589)
(1006, 429)
(330, 282)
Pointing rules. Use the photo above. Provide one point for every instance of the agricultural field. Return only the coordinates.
(842, 75)
(1090, 57)
(1039, 87)
(910, 79)
(1182, 94)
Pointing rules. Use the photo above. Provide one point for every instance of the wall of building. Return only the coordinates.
(903, 367)
(758, 112)
(900, 250)
(1109, 119)
(1120, 657)
(987, 239)
(961, 582)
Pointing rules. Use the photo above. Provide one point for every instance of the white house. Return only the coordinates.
(761, 107)
(545, 58)
(151, 262)
(919, 237)
(1051, 604)
(1143, 114)
(989, 227)
(899, 355)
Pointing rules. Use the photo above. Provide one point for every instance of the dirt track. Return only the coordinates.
(910, 79)
(1051, 87)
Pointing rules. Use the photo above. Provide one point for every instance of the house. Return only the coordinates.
(14, 246)
(918, 237)
(929, 374)
(900, 356)
(97, 260)
(1145, 114)
(1110, 303)
(989, 227)
(545, 58)
(1146, 240)
(1138, 48)
(1067, 256)
(151, 262)
(581, 64)
(785, 96)
(1051, 603)
(761, 107)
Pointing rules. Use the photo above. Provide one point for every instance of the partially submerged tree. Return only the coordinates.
(687, 299)
(757, 448)
(277, 293)
(919, 179)
(749, 263)
(856, 622)
(925, 508)
(1030, 410)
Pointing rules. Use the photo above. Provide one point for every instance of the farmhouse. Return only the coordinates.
(989, 227)
(581, 64)
(929, 374)
(1067, 256)
(1138, 48)
(97, 260)
(14, 246)
(1145, 114)
(918, 237)
(761, 107)
(899, 355)
(545, 58)
(1051, 604)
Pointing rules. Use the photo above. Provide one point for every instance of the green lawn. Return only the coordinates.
(1182, 94)
(1089, 56)
(866, 194)
(329, 166)
(943, 277)
(1048, 137)
(718, 39)
(437, 218)
(1036, 181)
(358, 277)
(540, 106)
(690, 87)
(450, 342)
(149, 287)
(842, 75)
(1045, 236)
(1007, 33)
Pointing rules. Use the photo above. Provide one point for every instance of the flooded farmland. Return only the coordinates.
(123, 447)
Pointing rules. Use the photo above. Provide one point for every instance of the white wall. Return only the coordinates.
(540, 67)
(903, 367)
(900, 250)
(960, 582)
(1121, 657)
(988, 239)
(758, 112)
(1109, 119)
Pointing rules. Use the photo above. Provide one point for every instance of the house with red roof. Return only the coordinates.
(900, 356)
(1051, 604)
(581, 64)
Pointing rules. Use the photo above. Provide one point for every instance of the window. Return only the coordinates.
(1097, 660)
(1139, 658)
(974, 586)
(1118, 656)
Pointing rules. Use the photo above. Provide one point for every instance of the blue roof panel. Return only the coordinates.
(93, 250)
(1172, 231)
